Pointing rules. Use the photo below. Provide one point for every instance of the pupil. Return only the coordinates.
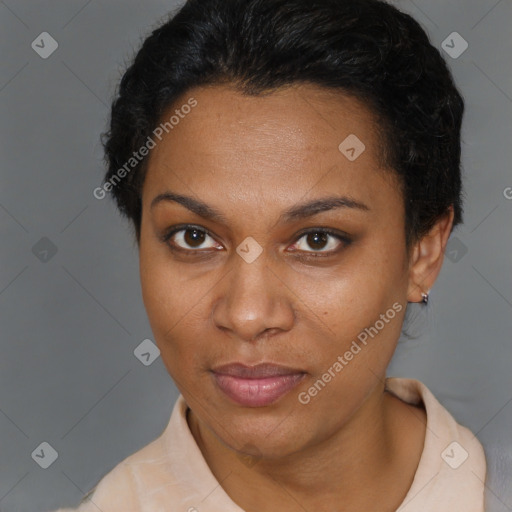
(194, 237)
(317, 239)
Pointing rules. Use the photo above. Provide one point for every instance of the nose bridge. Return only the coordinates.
(253, 299)
(251, 282)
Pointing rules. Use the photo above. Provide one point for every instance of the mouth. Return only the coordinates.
(256, 386)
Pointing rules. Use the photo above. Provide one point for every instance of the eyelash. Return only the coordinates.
(340, 236)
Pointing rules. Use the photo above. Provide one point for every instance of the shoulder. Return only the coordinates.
(120, 489)
(114, 491)
(124, 485)
(452, 469)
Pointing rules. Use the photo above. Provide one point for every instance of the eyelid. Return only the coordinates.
(319, 229)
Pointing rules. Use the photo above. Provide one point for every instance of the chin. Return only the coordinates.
(262, 433)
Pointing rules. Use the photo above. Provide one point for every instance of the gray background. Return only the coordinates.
(70, 321)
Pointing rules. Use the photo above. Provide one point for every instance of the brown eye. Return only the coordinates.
(317, 241)
(194, 237)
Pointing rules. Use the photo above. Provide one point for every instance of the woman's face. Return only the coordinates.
(295, 257)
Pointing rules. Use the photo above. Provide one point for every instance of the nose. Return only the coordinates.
(253, 301)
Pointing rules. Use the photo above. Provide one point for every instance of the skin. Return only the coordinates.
(354, 445)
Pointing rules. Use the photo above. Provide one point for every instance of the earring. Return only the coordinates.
(424, 297)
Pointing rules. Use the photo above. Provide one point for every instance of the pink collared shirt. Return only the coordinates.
(170, 473)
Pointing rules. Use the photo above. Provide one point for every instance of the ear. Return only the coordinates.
(427, 257)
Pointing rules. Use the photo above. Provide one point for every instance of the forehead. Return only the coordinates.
(283, 142)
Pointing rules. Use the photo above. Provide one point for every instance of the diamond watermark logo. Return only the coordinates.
(454, 45)
(44, 45)
(249, 249)
(44, 250)
(352, 147)
(45, 455)
(146, 352)
(249, 460)
(454, 455)
(455, 249)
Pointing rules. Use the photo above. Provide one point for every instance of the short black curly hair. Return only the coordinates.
(364, 48)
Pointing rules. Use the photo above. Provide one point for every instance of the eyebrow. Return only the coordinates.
(299, 211)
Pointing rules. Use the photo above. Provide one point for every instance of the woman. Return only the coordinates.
(291, 169)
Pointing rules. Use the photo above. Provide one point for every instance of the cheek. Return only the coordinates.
(175, 305)
(362, 329)
(162, 293)
(352, 296)
(167, 295)
(359, 310)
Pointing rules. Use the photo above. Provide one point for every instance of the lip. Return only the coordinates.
(256, 386)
